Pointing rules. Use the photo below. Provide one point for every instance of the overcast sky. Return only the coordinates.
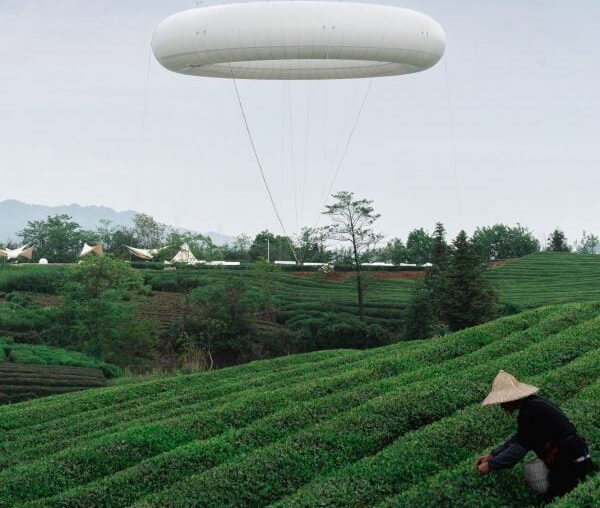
(518, 92)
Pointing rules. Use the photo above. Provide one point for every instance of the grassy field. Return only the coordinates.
(394, 426)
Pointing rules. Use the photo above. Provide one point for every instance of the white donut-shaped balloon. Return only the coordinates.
(298, 40)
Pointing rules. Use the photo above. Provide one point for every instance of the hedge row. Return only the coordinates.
(40, 413)
(395, 469)
(332, 429)
(46, 355)
(122, 488)
(177, 430)
(281, 468)
(40, 279)
(502, 488)
(154, 265)
(394, 360)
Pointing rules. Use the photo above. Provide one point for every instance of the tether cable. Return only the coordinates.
(453, 141)
(142, 132)
(260, 166)
(348, 141)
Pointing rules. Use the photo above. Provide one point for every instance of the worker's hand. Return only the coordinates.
(483, 468)
(481, 459)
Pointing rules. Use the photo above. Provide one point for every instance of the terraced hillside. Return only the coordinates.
(546, 278)
(20, 382)
(28, 371)
(298, 298)
(532, 281)
(395, 426)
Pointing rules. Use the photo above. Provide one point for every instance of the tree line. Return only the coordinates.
(59, 239)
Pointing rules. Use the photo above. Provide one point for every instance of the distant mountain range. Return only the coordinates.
(14, 216)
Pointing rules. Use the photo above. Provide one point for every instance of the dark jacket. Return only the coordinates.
(545, 429)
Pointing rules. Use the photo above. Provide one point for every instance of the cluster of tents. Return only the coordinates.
(184, 256)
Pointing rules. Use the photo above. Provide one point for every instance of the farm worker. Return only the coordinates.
(543, 428)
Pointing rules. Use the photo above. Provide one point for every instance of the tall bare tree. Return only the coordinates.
(352, 223)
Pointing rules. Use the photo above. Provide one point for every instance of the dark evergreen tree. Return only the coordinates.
(423, 314)
(435, 278)
(467, 298)
(440, 251)
(421, 320)
(557, 242)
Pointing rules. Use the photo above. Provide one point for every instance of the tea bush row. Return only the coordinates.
(278, 470)
(403, 357)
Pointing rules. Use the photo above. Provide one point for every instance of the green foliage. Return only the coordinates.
(546, 278)
(394, 252)
(330, 332)
(352, 224)
(503, 242)
(396, 426)
(588, 244)
(418, 246)
(20, 382)
(47, 355)
(421, 319)
(95, 275)
(97, 315)
(30, 320)
(557, 242)
(58, 238)
(297, 298)
(467, 298)
(222, 316)
(40, 279)
(266, 240)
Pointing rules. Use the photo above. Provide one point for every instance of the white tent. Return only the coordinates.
(88, 249)
(24, 251)
(186, 256)
(145, 254)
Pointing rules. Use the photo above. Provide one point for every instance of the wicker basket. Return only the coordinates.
(536, 474)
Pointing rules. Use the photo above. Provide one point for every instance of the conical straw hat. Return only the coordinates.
(506, 388)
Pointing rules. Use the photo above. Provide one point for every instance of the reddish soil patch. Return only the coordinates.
(496, 262)
(334, 276)
(396, 275)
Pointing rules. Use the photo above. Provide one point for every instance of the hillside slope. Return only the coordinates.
(396, 426)
(28, 371)
(547, 278)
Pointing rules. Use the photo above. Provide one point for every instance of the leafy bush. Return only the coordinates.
(333, 331)
(47, 355)
(39, 279)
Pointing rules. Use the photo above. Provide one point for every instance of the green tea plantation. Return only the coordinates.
(396, 426)
(28, 371)
(546, 278)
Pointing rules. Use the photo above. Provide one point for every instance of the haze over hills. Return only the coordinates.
(14, 216)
